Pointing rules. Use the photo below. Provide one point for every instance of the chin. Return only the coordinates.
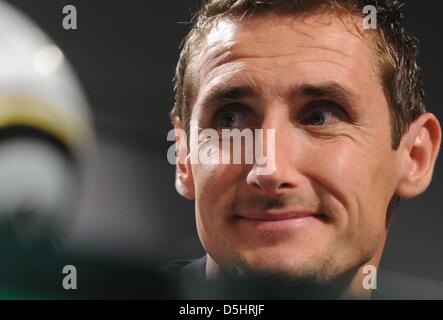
(302, 266)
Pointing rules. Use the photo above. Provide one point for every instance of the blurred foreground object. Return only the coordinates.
(45, 130)
(45, 137)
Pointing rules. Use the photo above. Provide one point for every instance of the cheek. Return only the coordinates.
(215, 188)
(355, 180)
(215, 178)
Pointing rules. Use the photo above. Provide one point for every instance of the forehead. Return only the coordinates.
(267, 30)
(280, 49)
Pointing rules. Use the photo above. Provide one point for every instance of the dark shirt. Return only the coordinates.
(390, 285)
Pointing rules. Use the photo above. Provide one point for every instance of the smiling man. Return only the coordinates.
(352, 136)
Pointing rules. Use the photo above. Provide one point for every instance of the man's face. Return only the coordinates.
(323, 210)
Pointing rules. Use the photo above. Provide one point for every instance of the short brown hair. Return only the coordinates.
(395, 49)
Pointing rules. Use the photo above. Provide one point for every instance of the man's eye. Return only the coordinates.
(323, 115)
(318, 118)
(229, 119)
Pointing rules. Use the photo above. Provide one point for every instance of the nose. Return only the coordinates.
(285, 176)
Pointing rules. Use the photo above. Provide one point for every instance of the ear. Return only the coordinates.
(184, 180)
(418, 154)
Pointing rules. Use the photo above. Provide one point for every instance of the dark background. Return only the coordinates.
(124, 53)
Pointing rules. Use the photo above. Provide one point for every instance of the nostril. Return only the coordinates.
(285, 185)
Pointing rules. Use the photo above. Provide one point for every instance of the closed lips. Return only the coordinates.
(278, 216)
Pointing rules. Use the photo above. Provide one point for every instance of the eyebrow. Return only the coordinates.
(328, 90)
(228, 93)
(332, 91)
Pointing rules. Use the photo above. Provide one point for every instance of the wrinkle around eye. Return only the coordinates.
(357, 134)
